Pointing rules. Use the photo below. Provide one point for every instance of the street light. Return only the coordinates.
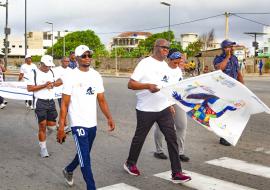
(168, 5)
(64, 43)
(52, 35)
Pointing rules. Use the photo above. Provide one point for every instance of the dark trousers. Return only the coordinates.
(84, 138)
(145, 121)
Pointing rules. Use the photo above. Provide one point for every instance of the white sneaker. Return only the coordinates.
(31, 108)
(5, 102)
(44, 153)
(26, 104)
(2, 106)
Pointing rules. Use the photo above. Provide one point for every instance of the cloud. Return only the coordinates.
(107, 16)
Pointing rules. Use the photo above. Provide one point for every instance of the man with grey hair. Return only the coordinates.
(152, 106)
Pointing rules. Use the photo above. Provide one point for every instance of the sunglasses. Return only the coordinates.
(86, 55)
(164, 47)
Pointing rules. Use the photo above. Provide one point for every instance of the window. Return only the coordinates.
(13, 46)
(20, 46)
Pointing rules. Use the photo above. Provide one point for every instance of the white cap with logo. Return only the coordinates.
(81, 49)
(47, 60)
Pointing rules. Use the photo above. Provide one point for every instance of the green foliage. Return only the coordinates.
(74, 39)
(193, 48)
(149, 42)
(267, 64)
(36, 58)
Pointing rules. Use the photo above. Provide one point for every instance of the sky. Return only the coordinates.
(108, 18)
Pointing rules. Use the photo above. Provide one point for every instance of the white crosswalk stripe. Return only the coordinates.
(119, 186)
(242, 166)
(203, 182)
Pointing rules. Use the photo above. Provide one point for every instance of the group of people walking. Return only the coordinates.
(82, 88)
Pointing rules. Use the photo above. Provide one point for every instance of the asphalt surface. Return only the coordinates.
(21, 167)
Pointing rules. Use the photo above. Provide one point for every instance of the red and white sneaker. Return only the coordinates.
(131, 169)
(180, 177)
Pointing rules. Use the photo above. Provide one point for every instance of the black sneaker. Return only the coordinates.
(180, 177)
(68, 177)
(224, 142)
(160, 156)
(183, 158)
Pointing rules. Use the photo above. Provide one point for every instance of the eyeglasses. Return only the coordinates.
(164, 47)
(86, 55)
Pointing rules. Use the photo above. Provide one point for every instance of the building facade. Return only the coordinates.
(129, 40)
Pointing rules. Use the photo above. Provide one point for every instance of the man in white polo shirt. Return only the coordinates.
(41, 82)
(152, 106)
(81, 91)
(25, 70)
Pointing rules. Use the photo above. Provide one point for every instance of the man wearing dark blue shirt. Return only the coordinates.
(228, 63)
(72, 60)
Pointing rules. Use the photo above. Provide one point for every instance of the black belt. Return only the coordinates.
(45, 100)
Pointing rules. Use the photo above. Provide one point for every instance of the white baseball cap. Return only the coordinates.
(28, 56)
(47, 60)
(81, 49)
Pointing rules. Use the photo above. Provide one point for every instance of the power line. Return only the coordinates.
(159, 27)
(251, 13)
(254, 21)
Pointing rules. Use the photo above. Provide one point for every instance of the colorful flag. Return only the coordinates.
(217, 102)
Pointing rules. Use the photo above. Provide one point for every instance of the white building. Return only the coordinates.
(37, 42)
(188, 38)
(129, 40)
(266, 40)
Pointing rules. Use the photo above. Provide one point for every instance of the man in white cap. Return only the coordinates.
(42, 81)
(81, 92)
(25, 70)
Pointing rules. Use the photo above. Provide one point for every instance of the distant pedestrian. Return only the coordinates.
(83, 89)
(42, 81)
(60, 72)
(260, 66)
(3, 102)
(228, 63)
(175, 64)
(25, 70)
(152, 106)
(72, 60)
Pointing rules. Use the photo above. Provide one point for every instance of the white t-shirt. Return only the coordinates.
(83, 88)
(174, 75)
(42, 78)
(150, 70)
(60, 73)
(27, 70)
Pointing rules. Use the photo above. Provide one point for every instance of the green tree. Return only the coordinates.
(148, 43)
(74, 39)
(194, 48)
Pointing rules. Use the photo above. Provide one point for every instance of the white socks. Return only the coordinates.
(42, 144)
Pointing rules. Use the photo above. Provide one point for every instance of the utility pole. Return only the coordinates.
(25, 27)
(227, 25)
(169, 27)
(7, 32)
(255, 44)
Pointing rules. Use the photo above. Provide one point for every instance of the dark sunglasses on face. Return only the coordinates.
(86, 55)
(164, 47)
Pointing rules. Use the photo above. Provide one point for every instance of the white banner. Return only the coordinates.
(18, 91)
(217, 102)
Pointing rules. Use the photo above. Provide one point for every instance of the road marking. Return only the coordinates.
(119, 186)
(259, 149)
(203, 182)
(242, 166)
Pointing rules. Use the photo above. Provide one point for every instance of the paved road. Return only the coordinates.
(21, 168)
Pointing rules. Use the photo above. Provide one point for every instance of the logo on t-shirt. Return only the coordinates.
(165, 78)
(90, 91)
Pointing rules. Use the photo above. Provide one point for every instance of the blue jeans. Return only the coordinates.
(84, 138)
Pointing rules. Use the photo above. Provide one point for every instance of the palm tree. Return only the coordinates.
(207, 39)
